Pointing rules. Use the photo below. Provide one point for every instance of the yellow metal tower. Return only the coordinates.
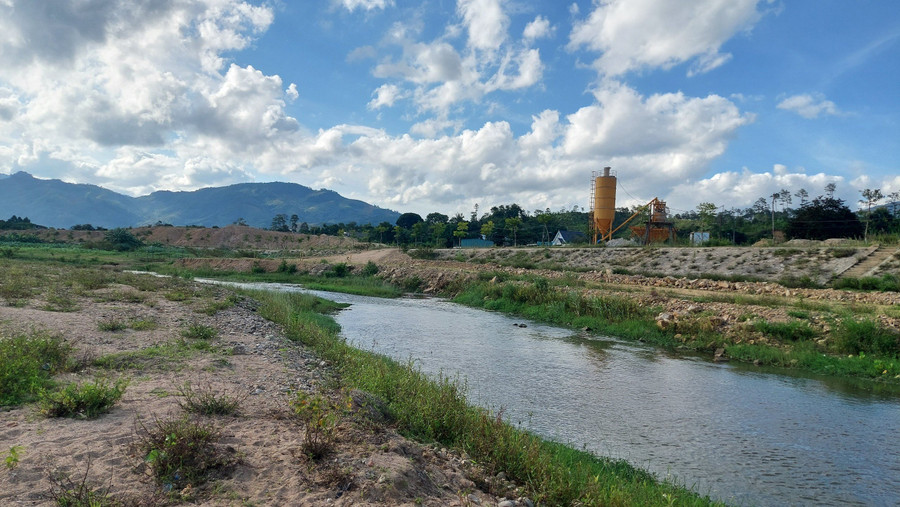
(603, 205)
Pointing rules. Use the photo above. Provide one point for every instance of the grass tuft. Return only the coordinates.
(206, 401)
(82, 401)
(200, 332)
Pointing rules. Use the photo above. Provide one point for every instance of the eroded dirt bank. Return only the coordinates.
(249, 358)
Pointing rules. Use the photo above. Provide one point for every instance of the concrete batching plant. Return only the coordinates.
(603, 213)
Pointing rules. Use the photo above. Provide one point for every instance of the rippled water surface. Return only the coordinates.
(732, 432)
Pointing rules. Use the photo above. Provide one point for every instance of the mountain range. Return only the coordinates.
(55, 203)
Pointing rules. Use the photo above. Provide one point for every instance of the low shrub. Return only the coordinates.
(206, 401)
(284, 267)
(318, 417)
(786, 331)
(27, 364)
(423, 252)
(866, 336)
(180, 451)
(370, 269)
(112, 325)
(83, 401)
(886, 283)
(200, 332)
(339, 270)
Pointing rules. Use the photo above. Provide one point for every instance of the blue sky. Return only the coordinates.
(437, 105)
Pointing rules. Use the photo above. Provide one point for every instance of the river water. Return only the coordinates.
(733, 432)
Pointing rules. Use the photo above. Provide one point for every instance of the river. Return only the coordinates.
(734, 432)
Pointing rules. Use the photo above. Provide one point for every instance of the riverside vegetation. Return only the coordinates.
(184, 455)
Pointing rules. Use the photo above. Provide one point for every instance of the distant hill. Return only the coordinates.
(58, 204)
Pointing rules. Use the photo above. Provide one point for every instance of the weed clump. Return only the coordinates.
(69, 491)
(370, 269)
(27, 364)
(867, 337)
(82, 401)
(318, 417)
(284, 267)
(208, 402)
(179, 452)
(112, 325)
(885, 283)
(200, 332)
(786, 331)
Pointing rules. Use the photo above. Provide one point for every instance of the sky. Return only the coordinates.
(439, 105)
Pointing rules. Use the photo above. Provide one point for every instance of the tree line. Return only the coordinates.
(821, 217)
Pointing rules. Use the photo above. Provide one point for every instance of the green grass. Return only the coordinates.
(621, 317)
(112, 325)
(786, 331)
(867, 337)
(27, 365)
(884, 283)
(437, 411)
(200, 332)
(609, 314)
(82, 400)
(166, 356)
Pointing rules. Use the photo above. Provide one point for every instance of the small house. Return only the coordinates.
(567, 237)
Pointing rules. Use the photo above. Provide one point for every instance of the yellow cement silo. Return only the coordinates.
(604, 204)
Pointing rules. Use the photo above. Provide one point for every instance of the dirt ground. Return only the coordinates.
(369, 464)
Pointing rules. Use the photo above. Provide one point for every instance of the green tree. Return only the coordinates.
(436, 218)
(512, 224)
(407, 220)
(869, 198)
(280, 223)
(122, 239)
(381, 230)
(882, 221)
(294, 220)
(417, 230)
(487, 229)
(544, 219)
(437, 232)
(824, 218)
(462, 229)
(706, 212)
(784, 197)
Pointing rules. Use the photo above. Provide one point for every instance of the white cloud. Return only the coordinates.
(623, 123)
(152, 102)
(530, 70)
(742, 189)
(636, 34)
(291, 93)
(655, 143)
(132, 77)
(486, 23)
(367, 5)
(809, 106)
(445, 75)
(9, 104)
(385, 96)
(538, 29)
